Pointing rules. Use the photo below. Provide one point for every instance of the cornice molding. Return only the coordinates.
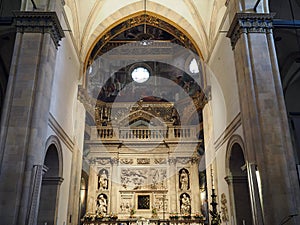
(39, 22)
(52, 180)
(229, 131)
(60, 132)
(249, 23)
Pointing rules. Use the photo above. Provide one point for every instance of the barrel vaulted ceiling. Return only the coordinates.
(88, 19)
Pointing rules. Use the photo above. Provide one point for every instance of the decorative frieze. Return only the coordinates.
(143, 161)
(160, 161)
(249, 23)
(126, 161)
(183, 160)
(103, 161)
(39, 22)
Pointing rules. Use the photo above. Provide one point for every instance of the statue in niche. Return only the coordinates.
(185, 204)
(184, 180)
(102, 204)
(103, 180)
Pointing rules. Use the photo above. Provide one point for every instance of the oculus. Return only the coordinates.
(140, 74)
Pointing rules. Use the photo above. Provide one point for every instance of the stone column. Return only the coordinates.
(92, 190)
(172, 195)
(264, 120)
(113, 179)
(38, 172)
(25, 114)
(194, 179)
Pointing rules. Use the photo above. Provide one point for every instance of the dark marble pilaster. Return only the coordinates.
(25, 115)
(264, 121)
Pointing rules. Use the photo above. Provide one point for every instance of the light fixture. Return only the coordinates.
(193, 66)
(140, 74)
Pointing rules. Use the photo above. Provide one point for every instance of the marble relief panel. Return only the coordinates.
(144, 178)
(126, 203)
(161, 202)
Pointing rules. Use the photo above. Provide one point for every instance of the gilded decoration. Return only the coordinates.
(140, 110)
(103, 45)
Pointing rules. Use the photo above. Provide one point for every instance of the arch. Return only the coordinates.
(51, 182)
(199, 39)
(234, 139)
(54, 140)
(237, 181)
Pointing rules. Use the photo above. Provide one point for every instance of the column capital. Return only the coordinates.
(249, 23)
(39, 22)
(236, 179)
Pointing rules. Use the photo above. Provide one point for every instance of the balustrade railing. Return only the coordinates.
(143, 133)
(157, 133)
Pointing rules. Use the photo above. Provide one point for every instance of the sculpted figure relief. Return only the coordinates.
(103, 180)
(185, 207)
(184, 180)
(101, 204)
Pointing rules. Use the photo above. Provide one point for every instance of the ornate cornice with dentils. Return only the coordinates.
(249, 23)
(39, 22)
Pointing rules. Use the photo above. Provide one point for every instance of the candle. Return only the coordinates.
(212, 179)
(244, 223)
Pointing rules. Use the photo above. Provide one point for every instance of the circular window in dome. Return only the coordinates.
(140, 74)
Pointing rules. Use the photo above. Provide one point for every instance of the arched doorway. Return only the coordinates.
(238, 186)
(50, 187)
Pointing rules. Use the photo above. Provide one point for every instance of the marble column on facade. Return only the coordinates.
(172, 195)
(194, 179)
(25, 114)
(92, 190)
(264, 120)
(114, 195)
